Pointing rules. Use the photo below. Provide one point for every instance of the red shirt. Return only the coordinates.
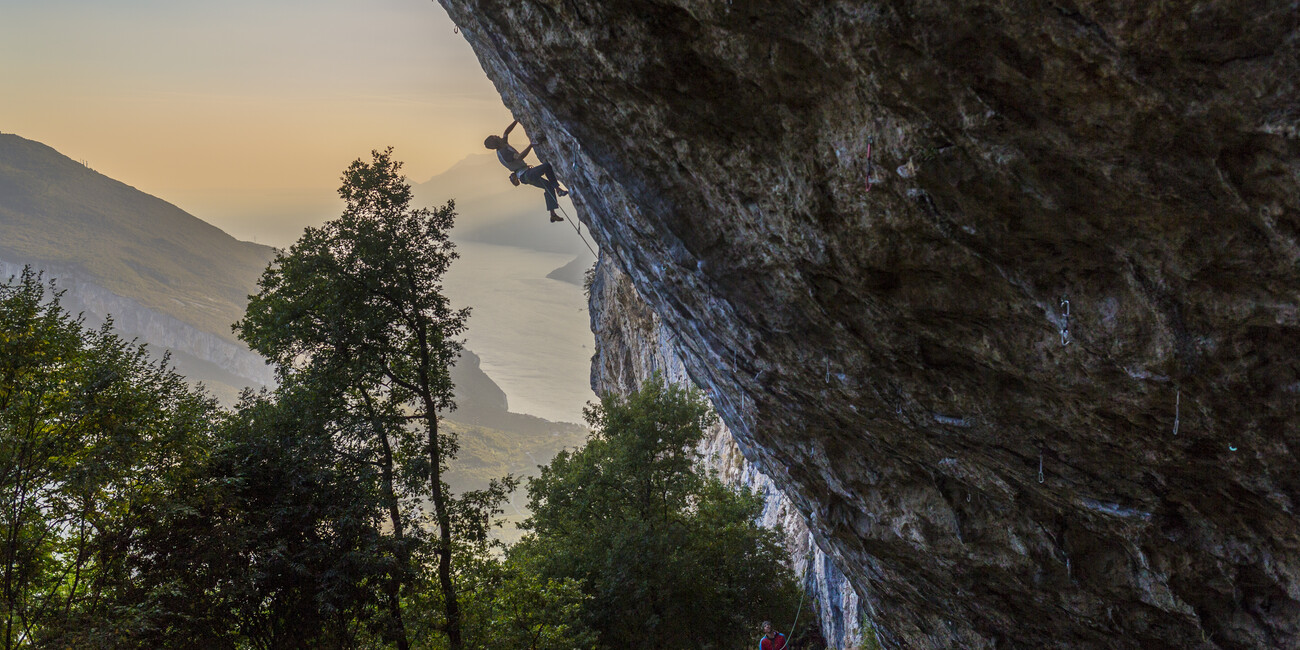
(776, 643)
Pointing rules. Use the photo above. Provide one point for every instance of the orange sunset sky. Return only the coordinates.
(243, 112)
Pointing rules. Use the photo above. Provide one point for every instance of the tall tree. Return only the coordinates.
(356, 306)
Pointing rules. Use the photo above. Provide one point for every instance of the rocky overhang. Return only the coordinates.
(1003, 294)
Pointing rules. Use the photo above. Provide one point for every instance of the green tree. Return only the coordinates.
(510, 605)
(356, 308)
(306, 543)
(90, 431)
(662, 549)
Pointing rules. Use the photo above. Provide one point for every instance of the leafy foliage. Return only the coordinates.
(136, 514)
(90, 433)
(662, 549)
(511, 606)
(355, 310)
(275, 539)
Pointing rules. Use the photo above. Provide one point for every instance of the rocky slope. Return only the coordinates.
(862, 222)
(224, 366)
(632, 345)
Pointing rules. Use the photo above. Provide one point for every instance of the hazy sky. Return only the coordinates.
(243, 112)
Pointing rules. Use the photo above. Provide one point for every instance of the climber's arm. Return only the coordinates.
(506, 134)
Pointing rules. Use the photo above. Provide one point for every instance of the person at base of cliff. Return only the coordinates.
(541, 176)
(772, 640)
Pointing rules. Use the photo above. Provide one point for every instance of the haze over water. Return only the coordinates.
(532, 333)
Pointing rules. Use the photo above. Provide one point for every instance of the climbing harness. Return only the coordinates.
(579, 231)
(870, 141)
(1065, 322)
(1040, 465)
(1178, 400)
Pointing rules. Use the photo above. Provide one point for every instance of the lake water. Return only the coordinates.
(532, 333)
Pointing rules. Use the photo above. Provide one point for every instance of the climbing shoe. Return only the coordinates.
(556, 217)
(561, 192)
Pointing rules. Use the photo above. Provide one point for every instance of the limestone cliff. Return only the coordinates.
(1004, 295)
(160, 331)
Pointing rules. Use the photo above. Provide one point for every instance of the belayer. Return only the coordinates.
(541, 176)
(772, 640)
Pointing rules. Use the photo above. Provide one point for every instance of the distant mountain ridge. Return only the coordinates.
(163, 275)
(56, 212)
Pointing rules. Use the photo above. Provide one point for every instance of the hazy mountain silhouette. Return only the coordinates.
(62, 215)
(493, 211)
(575, 272)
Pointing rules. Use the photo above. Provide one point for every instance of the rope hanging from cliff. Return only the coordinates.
(797, 612)
(795, 626)
(579, 231)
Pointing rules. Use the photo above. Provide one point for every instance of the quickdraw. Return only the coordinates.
(870, 141)
(1065, 322)
(1178, 403)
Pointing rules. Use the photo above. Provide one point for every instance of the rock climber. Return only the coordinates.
(541, 176)
(772, 640)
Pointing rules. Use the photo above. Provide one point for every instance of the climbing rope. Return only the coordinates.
(797, 612)
(1040, 466)
(794, 626)
(579, 231)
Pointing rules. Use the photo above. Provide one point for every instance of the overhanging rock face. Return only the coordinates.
(987, 471)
